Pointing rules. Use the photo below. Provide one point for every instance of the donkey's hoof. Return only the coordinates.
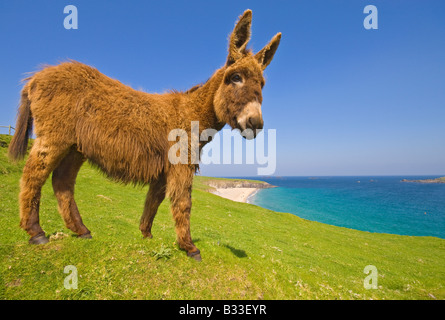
(147, 235)
(39, 239)
(85, 236)
(195, 255)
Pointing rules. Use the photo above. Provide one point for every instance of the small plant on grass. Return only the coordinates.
(162, 253)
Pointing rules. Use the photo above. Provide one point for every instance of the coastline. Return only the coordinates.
(236, 194)
(249, 198)
(238, 190)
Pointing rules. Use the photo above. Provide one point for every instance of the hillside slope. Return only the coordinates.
(248, 252)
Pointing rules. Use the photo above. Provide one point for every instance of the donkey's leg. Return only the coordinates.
(64, 178)
(155, 196)
(42, 159)
(179, 189)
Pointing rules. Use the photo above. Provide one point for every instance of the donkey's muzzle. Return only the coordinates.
(250, 120)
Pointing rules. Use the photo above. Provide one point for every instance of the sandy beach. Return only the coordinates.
(235, 194)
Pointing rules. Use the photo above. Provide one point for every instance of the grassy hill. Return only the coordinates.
(248, 252)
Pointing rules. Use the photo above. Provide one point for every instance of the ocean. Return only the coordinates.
(382, 204)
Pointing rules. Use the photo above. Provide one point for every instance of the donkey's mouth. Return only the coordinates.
(247, 133)
(248, 129)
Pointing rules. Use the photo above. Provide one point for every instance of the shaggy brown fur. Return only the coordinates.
(80, 114)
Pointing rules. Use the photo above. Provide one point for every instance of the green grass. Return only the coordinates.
(248, 252)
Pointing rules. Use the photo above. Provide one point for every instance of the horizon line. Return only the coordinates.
(334, 175)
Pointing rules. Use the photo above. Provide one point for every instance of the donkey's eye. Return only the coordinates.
(236, 78)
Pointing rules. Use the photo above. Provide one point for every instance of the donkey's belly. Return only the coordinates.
(123, 169)
(122, 155)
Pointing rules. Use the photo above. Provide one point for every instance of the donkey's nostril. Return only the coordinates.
(254, 123)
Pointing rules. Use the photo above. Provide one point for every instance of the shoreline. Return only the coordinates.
(238, 190)
(248, 200)
(236, 194)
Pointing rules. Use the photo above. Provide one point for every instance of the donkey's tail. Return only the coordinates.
(23, 128)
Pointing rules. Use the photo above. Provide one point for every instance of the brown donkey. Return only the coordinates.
(80, 114)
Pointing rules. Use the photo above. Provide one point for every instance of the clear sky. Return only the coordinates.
(343, 100)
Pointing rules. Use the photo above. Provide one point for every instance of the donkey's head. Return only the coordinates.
(238, 98)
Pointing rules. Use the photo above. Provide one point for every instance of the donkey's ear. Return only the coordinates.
(240, 37)
(266, 54)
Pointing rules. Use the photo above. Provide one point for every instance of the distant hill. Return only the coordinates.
(437, 180)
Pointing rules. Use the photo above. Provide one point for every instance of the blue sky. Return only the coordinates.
(343, 100)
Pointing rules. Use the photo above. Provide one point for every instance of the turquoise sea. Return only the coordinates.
(381, 204)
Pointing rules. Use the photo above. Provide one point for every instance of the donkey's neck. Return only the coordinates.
(201, 101)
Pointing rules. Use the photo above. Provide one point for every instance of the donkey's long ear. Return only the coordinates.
(240, 37)
(266, 54)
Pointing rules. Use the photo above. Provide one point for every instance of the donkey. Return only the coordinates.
(80, 114)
